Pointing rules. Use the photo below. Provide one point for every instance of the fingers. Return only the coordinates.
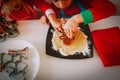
(58, 29)
(44, 20)
(69, 32)
(62, 21)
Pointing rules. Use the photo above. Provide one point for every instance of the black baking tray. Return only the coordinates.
(78, 55)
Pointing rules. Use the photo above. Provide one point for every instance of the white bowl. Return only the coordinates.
(32, 61)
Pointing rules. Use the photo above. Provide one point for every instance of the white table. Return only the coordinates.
(52, 68)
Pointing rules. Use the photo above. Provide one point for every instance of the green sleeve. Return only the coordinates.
(87, 16)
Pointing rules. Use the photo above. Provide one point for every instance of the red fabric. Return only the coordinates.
(0, 12)
(100, 8)
(107, 43)
(42, 4)
(22, 14)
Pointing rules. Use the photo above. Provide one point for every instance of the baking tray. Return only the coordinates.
(78, 55)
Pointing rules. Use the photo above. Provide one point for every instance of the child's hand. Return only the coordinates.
(71, 26)
(57, 25)
(44, 20)
(55, 22)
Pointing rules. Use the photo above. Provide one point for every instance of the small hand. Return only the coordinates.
(44, 20)
(55, 22)
(57, 25)
(70, 28)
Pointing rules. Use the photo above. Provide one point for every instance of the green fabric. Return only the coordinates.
(63, 14)
(87, 16)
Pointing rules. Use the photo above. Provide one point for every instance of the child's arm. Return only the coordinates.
(99, 10)
(55, 22)
(46, 7)
(1, 12)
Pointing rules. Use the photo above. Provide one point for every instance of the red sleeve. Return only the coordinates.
(101, 9)
(41, 4)
(0, 12)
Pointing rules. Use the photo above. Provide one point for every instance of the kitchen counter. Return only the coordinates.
(52, 68)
